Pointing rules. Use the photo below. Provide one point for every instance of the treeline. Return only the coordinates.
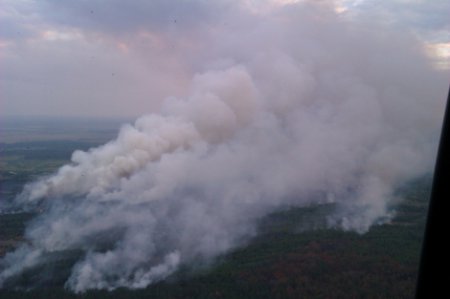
(282, 263)
(43, 150)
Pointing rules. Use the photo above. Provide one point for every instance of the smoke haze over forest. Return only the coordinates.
(253, 109)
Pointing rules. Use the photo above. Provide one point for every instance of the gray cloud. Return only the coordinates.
(17, 20)
(67, 57)
(116, 17)
(10, 29)
(78, 77)
(428, 18)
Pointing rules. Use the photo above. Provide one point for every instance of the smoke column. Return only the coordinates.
(297, 108)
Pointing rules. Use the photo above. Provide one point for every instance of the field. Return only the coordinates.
(284, 261)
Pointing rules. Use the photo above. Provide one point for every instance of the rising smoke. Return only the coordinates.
(296, 108)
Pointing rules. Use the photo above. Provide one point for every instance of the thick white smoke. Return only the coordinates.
(295, 109)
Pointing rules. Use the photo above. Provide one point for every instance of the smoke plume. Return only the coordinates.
(293, 108)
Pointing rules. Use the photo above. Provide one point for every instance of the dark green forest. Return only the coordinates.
(294, 255)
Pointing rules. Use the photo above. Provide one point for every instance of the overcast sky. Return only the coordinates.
(123, 58)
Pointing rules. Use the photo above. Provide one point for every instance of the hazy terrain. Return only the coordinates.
(276, 148)
(293, 254)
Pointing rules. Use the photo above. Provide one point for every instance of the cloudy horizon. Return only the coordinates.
(247, 108)
(88, 58)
